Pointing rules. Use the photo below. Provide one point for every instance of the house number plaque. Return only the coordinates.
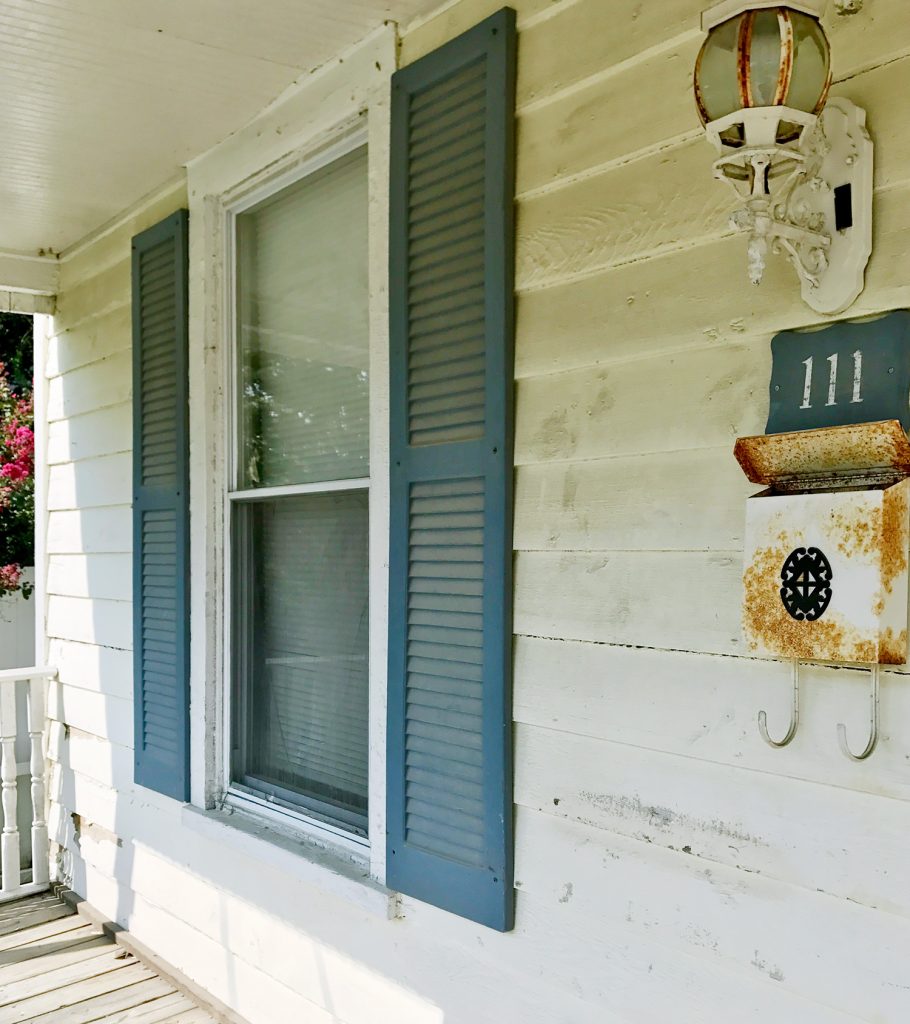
(845, 373)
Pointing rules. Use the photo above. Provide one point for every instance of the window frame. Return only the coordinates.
(320, 110)
(235, 794)
(342, 99)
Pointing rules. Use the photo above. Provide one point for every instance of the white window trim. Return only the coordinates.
(347, 99)
(239, 797)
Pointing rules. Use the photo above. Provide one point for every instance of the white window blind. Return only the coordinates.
(303, 330)
(300, 557)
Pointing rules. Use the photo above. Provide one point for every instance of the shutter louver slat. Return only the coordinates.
(451, 268)
(160, 597)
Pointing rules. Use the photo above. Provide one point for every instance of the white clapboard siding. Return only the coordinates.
(356, 977)
(875, 40)
(609, 219)
(581, 872)
(107, 576)
(597, 976)
(108, 764)
(683, 500)
(92, 667)
(687, 299)
(586, 40)
(104, 432)
(102, 294)
(97, 339)
(92, 387)
(700, 399)
(595, 127)
(821, 837)
(592, 128)
(625, 314)
(90, 483)
(251, 992)
(635, 976)
(602, 222)
(102, 575)
(94, 713)
(675, 600)
(705, 707)
(299, 962)
(91, 801)
(90, 530)
(90, 621)
(440, 25)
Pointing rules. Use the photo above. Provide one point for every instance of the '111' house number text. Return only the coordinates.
(832, 379)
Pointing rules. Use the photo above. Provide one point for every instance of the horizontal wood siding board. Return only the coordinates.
(704, 707)
(686, 500)
(668, 402)
(804, 833)
(621, 313)
(674, 600)
(700, 911)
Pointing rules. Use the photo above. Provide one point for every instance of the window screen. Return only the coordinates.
(300, 556)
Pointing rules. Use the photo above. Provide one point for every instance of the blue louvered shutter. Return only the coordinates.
(451, 319)
(160, 508)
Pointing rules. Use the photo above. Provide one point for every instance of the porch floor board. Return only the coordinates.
(57, 969)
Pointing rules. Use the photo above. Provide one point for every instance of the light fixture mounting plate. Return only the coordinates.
(838, 187)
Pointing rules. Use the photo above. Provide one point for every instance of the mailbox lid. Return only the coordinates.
(825, 575)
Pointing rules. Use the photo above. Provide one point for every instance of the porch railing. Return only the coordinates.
(14, 881)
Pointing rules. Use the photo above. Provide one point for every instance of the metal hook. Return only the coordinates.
(794, 715)
(873, 738)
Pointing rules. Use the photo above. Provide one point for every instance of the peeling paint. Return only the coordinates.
(774, 973)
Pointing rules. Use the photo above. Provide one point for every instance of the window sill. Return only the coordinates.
(336, 872)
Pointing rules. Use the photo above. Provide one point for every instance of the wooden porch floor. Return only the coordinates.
(57, 968)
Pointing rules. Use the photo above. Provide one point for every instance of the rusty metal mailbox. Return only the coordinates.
(826, 545)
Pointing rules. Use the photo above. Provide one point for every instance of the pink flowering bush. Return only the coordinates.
(17, 486)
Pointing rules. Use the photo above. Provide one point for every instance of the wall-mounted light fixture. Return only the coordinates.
(801, 164)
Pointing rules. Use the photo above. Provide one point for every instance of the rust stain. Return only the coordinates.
(767, 623)
(768, 458)
(892, 648)
(858, 531)
(894, 539)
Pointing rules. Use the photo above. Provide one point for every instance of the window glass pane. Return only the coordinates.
(301, 589)
(302, 322)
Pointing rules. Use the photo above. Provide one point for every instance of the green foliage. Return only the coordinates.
(17, 449)
(16, 350)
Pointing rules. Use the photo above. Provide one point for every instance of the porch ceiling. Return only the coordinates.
(104, 100)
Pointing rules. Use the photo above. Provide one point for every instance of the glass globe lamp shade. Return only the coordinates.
(770, 57)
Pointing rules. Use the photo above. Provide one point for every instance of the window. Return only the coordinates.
(298, 500)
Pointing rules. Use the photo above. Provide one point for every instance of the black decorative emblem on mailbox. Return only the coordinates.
(806, 590)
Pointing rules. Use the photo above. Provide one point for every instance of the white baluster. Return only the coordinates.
(40, 862)
(9, 840)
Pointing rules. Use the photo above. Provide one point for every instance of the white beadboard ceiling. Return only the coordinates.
(102, 101)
